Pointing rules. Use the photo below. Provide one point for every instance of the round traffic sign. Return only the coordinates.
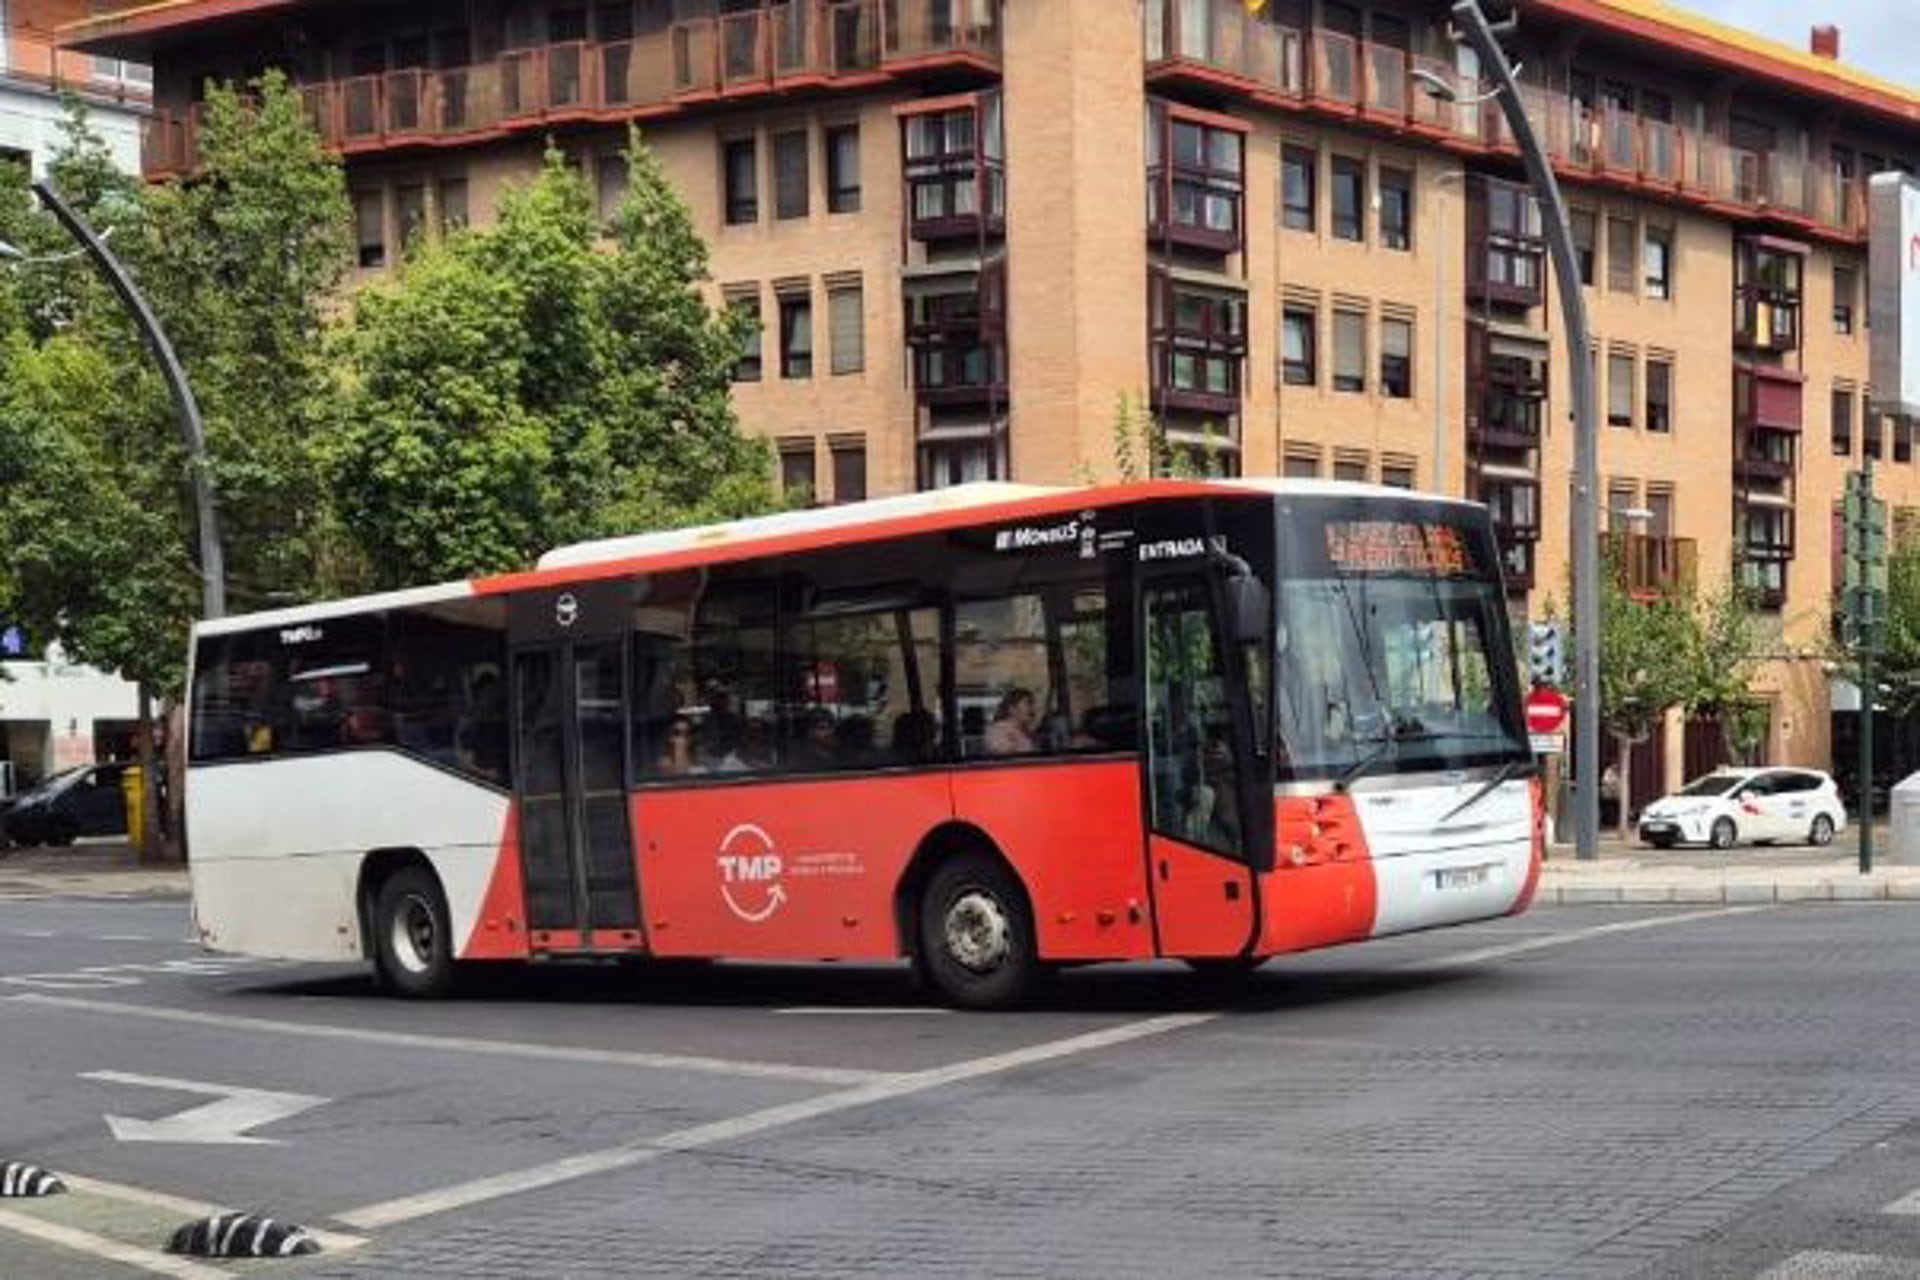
(1546, 711)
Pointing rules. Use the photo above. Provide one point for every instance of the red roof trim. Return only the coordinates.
(1070, 500)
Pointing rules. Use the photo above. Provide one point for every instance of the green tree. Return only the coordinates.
(520, 387)
(1726, 643)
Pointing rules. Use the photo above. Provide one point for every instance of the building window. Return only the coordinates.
(1870, 441)
(1397, 473)
(796, 335)
(1194, 177)
(1199, 337)
(1767, 289)
(1659, 394)
(849, 469)
(452, 209)
(1902, 440)
(1619, 389)
(1349, 351)
(1846, 290)
(843, 169)
(790, 174)
(1656, 254)
(1298, 171)
(846, 326)
(1301, 464)
(742, 182)
(610, 175)
(1297, 355)
(410, 211)
(1396, 358)
(370, 226)
(1842, 426)
(953, 168)
(797, 479)
(1350, 467)
(1396, 208)
(1585, 233)
(1349, 197)
(747, 306)
(1620, 255)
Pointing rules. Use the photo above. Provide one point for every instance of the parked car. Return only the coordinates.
(86, 801)
(1755, 805)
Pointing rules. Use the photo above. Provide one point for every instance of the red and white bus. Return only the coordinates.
(992, 729)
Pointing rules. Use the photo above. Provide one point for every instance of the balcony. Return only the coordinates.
(1650, 566)
(956, 329)
(784, 47)
(1196, 180)
(1218, 45)
(955, 171)
(40, 65)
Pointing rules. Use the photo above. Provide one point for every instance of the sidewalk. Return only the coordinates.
(105, 869)
(1635, 873)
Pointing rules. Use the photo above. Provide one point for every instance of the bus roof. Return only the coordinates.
(790, 531)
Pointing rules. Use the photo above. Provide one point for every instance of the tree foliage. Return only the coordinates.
(521, 387)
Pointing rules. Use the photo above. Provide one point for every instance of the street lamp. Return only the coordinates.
(213, 572)
(1480, 36)
(1439, 180)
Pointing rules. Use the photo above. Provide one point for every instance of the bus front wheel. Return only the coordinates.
(412, 936)
(976, 934)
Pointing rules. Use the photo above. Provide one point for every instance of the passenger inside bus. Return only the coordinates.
(1011, 733)
(677, 749)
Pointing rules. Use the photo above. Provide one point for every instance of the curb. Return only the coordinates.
(1740, 894)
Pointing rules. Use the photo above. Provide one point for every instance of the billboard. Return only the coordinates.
(1893, 293)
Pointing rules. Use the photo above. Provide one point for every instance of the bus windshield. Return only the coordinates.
(1392, 645)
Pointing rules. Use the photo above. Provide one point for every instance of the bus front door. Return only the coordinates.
(1197, 842)
(576, 851)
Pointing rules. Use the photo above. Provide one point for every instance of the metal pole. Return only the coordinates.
(1586, 512)
(213, 569)
(1867, 630)
(1439, 342)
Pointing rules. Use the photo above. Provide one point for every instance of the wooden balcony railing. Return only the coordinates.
(765, 50)
(1218, 40)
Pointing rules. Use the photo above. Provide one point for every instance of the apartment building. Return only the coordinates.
(34, 74)
(968, 227)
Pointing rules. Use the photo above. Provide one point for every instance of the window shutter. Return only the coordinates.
(846, 326)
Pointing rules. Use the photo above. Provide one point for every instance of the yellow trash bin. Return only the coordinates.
(133, 785)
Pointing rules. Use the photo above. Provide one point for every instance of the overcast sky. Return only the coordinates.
(1881, 36)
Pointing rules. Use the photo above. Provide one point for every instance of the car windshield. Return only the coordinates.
(1714, 784)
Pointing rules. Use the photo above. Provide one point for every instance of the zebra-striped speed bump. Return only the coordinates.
(24, 1181)
(241, 1235)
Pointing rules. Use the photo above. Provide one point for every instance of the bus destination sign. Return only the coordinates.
(1398, 546)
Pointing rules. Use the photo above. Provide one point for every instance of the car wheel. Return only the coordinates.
(413, 935)
(1724, 833)
(1822, 833)
(976, 934)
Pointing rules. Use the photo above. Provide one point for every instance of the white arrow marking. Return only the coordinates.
(224, 1121)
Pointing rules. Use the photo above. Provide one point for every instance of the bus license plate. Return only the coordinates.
(1459, 877)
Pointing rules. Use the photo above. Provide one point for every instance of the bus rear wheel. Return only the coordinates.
(976, 934)
(412, 935)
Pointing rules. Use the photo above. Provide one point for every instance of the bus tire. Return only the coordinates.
(413, 935)
(976, 934)
(1224, 969)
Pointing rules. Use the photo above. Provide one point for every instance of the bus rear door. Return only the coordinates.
(570, 716)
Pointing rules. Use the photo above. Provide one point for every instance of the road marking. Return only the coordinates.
(86, 1242)
(854, 1011)
(460, 1044)
(224, 1121)
(333, 1241)
(1907, 1205)
(461, 1195)
(132, 937)
(1819, 1264)
(1508, 950)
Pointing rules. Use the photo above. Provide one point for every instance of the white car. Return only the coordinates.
(1799, 806)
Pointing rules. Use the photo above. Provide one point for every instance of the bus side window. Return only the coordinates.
(861, 688)
(448, 699)
(1036, 674)
(233, 687)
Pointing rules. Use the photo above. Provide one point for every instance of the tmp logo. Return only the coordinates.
(750, 870)
(566, 610)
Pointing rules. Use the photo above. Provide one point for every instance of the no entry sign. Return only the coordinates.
(1546, 717)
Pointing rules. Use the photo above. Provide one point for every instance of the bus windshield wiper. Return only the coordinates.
(1378, 746)
(1508, 772)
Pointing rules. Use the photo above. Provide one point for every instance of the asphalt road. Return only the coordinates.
(1577, 1092)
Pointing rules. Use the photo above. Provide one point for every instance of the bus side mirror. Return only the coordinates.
(1249, 609)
